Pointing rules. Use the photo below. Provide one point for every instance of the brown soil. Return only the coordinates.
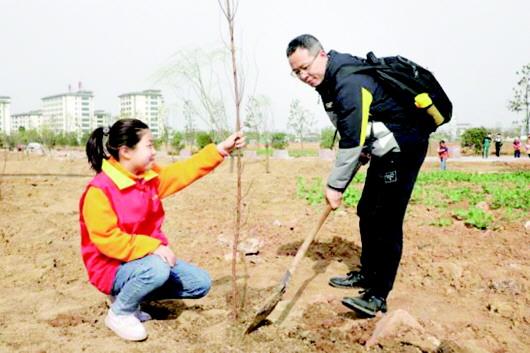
(466, 287)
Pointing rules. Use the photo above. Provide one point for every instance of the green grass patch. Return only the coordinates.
(500, 196)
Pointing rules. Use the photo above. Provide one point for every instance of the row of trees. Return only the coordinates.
(177, 140)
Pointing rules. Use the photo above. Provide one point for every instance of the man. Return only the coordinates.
(498, 144)
(396, 137)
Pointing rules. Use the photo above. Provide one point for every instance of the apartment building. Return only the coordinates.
(5, 115)
(147, 106)
(31, 120)
(70, 112)
(102, 118)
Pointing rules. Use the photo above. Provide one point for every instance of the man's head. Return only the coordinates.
(308, 59)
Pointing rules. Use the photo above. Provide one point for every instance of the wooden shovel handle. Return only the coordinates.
(303, 249)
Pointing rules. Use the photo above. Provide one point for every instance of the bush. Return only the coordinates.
(279, 140)
(177, 141)
(326, 138)
(203, 138)
(473, 138)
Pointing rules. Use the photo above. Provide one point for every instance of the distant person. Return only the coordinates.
(527, 146)
(443, 153)
(517, 148)
(498, 144)
(125, 251)
(486, 146)
(370, 120)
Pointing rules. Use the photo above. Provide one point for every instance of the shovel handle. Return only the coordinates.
(303, 249)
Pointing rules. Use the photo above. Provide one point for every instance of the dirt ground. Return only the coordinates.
(458, 289)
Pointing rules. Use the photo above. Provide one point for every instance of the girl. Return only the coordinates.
(517, 148)
(443, 153)
(124, 249)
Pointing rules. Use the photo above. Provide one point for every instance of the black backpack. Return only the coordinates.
(409, 83)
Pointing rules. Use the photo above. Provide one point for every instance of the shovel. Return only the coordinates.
(274, 299)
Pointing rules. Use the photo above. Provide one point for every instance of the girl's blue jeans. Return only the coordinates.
(150, 278)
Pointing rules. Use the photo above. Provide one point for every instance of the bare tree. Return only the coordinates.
(257, 120)
(520, 100)
(229, 10)
(189, 112)
(300, 120)
(193, 74)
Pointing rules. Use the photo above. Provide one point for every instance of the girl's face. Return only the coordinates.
(142, 156)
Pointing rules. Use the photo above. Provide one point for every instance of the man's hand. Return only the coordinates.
(236, 140)
(166, 254)
(333, 197)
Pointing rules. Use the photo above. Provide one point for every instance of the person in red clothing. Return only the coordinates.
(443, 153)
(517, 148)
(125, 251)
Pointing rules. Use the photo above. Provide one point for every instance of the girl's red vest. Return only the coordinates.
(139, 211)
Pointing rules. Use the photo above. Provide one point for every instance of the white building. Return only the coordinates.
(102, 118)
(69, 112)
(5, 115)
(147, 106)
(30, 120)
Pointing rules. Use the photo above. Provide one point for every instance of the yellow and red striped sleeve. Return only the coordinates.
(178, 175)
(102, 225)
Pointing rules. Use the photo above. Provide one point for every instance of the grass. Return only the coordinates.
(478, 200)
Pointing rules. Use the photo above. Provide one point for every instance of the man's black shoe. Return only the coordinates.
(352, 279)
(367, 304)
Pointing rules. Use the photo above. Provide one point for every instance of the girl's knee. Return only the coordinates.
(156, 270)
(203, 284)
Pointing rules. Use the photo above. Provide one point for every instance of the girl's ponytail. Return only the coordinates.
(94, 149)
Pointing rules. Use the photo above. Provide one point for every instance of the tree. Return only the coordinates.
(279, 140)
(520, 101)
(472, 138)
(189, 113)
(300, 120)
(257, 111)
(327, 138)
(193, 74)
(229, 10)
(177, 141)
(203, 139)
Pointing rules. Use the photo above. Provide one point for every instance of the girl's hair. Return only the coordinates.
(442, 141)
(124, 132)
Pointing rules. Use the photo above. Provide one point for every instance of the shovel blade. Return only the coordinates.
(266, 309)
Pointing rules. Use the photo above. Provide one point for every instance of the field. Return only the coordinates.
(463, 284)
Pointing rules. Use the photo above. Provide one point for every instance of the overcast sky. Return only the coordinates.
(112, 47)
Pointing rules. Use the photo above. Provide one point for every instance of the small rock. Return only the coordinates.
(250, 246)
(277, 223)
(527, 226)
(453, 270)
(391, 324)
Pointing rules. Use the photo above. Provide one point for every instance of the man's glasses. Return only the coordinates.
(304, 68)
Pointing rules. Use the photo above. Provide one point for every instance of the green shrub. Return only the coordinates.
(177, 141)
(473, 138)
(326, 138)
(203, 138)
(279, 140)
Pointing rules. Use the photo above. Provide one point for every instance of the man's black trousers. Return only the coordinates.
(389, 183)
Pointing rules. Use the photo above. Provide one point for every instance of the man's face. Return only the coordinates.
(310, 69)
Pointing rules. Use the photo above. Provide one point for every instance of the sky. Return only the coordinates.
(118, 46)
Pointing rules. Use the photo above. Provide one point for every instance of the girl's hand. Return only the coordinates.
(166, 254)
(236, 140)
